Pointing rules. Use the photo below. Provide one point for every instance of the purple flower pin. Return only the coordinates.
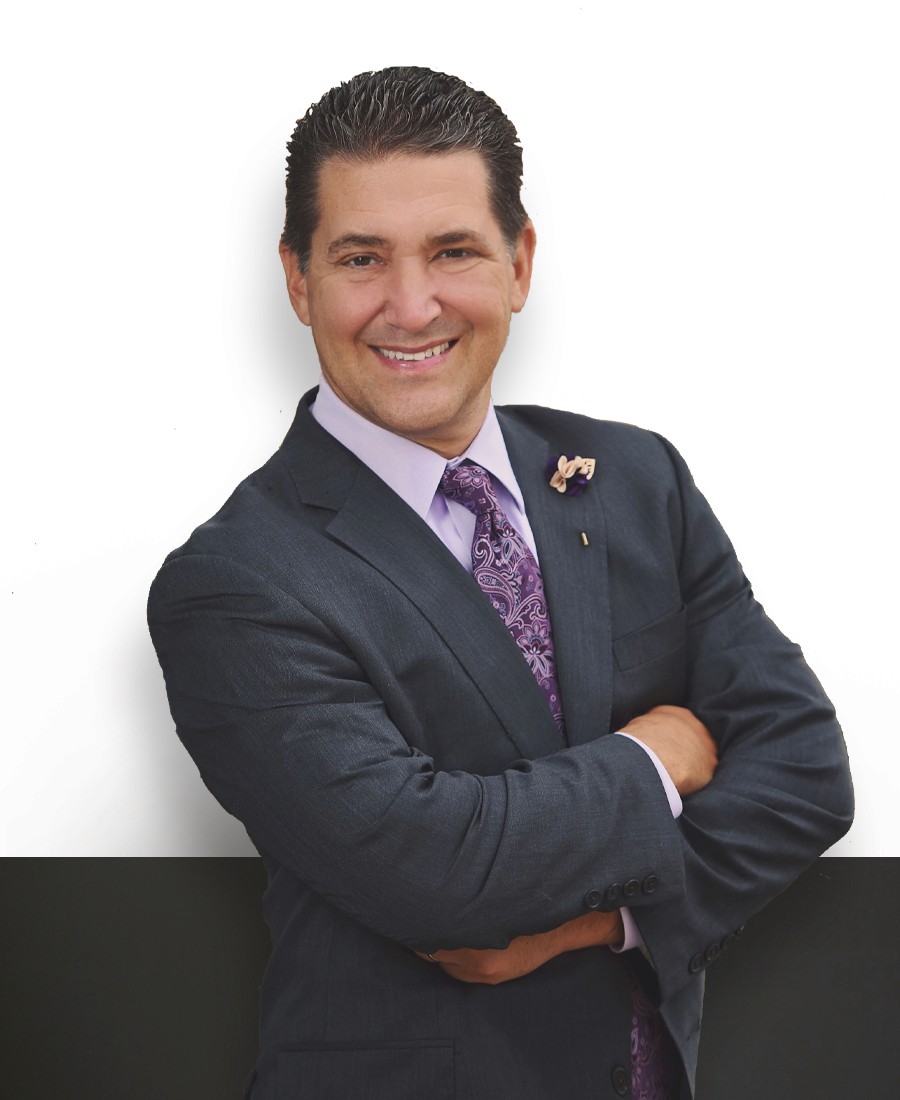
(570, 474)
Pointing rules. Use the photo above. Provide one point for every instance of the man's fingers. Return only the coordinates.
(428, 956)
(446, 960)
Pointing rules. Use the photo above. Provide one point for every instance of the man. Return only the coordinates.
(483, 879)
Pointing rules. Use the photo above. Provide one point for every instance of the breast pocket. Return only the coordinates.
(651, 667)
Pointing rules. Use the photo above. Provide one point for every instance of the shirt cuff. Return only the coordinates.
(671, 792)
(633, 937)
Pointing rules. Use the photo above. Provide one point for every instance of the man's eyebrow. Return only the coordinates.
(458, 236)
(355, 240)
(438, 240)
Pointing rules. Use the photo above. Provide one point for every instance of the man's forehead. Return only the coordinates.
(360, 196)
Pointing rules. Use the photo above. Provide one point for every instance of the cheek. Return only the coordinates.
(484, 307)
(341, 315)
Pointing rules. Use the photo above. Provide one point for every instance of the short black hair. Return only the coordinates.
(400, 110)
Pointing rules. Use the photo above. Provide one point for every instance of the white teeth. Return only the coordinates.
(417, 356)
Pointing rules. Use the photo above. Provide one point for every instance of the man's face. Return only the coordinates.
(409, 292)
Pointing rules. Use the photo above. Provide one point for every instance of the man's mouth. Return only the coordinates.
(415, 356)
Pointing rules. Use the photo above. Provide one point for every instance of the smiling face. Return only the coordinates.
(409, 291)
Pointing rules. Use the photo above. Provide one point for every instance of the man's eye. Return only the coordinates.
(360, 262)
(455, 254)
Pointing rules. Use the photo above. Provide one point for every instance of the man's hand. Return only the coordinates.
(527, 953)
(682, 743)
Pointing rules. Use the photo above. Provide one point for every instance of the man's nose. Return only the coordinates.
(411, 301)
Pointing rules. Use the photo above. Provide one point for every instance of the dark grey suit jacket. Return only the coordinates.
(350, 695)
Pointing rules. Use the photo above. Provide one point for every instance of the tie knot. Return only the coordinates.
(471, 486)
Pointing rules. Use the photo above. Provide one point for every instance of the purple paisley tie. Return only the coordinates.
(508, 574)
(654, 1059)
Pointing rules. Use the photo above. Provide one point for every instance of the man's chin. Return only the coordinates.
(448, 431)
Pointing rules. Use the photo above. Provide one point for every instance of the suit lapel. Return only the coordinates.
(575, 576)
(372, 521)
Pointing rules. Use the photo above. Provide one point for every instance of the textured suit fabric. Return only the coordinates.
(348, 693)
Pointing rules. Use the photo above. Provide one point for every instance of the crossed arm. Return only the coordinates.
(689, 755)
(293, 738)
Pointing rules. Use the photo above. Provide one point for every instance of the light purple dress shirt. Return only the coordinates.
(414, 473)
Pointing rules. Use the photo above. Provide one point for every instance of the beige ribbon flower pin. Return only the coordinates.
(568, 467)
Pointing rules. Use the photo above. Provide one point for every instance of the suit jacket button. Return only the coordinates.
(620, 1081)
(593, 899)
(712, 952)
(650, 884)
(631, 887)
(728, 941)
(695, 964)
(613, 892)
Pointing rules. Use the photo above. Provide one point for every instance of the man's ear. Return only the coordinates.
(296, 282)
(523, 261)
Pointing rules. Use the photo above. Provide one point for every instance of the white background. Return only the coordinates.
(715, 188)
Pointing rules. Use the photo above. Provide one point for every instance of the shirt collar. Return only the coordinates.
(411, 470)
(488, 449)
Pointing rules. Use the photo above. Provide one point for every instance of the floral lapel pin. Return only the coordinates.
(570, 474)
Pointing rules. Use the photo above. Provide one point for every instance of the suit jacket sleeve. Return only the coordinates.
(292, 738)
(782, 792)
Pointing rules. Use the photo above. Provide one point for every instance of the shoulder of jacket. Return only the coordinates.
(254, 514)
(569, 429)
